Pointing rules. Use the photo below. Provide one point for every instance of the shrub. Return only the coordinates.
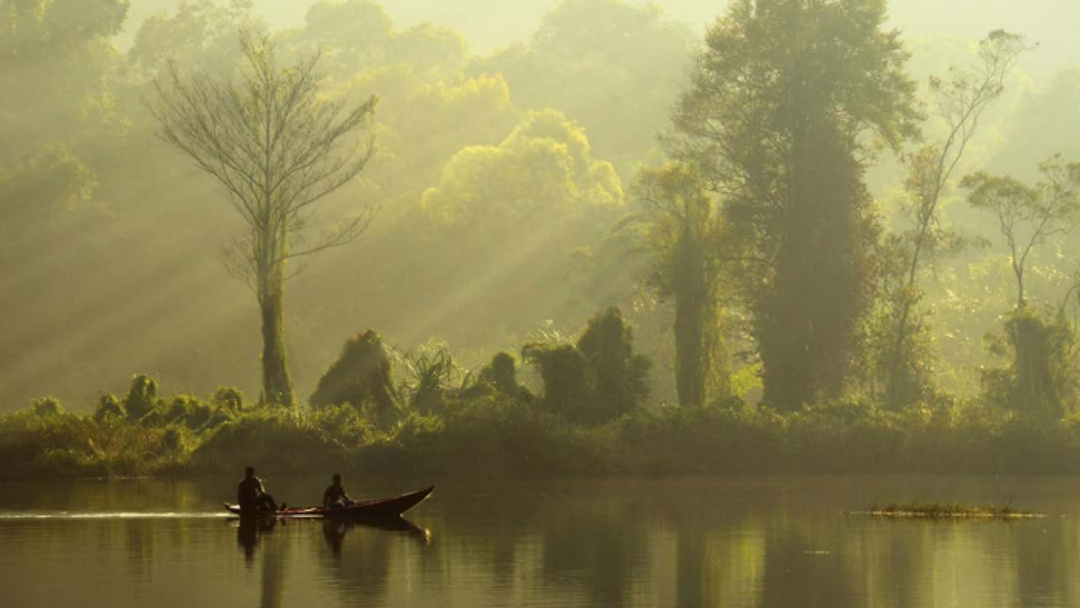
(46, 407)
(140, 398)
(229, 398)
(361, 376)
(108, 406)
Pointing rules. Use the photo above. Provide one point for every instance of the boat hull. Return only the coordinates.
(370, 510)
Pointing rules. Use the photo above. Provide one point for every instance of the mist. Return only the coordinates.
(672, 301)
(479, 201)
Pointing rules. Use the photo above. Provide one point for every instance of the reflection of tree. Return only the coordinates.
(719, 558)
(601, 551)
(249, 536)
(495, 531)
(1047, 562)
(361, 567)
(140, 540)
(796, 574)
(273, 576)
(893, 561)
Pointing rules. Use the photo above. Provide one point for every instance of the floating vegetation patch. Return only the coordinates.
(945, 510)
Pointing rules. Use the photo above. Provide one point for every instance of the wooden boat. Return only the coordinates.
(367, 510)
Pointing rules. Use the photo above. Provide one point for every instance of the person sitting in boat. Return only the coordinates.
(335, 496)
(252, 496)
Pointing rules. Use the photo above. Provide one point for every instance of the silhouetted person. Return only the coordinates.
(251, 496)
(335, 497)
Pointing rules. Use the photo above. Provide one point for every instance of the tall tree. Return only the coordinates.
(958, 102)
(1041, 376)
(685, 237)
(277, 148)
(779, 114)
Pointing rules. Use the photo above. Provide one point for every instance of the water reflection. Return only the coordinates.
(248, 533)
(334, 531)
(634, 543)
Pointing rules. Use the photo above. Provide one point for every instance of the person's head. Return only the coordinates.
(337, 479)
(249, 472)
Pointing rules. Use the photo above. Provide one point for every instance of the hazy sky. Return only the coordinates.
(488, 24)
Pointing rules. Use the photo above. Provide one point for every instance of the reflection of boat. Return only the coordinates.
(334, 530)
(379, 509)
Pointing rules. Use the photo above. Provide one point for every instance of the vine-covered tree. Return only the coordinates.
(1040, 377)
(277, 148)
(685, 239)
(779, 116)
(598, 379)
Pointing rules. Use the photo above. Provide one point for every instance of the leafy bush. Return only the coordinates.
(362, 377)
(140, 398)
(229, 398)
(46, 407)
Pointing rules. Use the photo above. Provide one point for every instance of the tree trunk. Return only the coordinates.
(277, 387)
(808, 314)
(690, 349)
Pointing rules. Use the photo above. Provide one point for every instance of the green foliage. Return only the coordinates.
(686, 243)
(781, 109)
(269, 435)
(501, 374)
(199, 33)
(587, 53)
(566, 381)
(432, 372)
(500, 179)
(44, 189)
(1041, 380)
(619, 378)
(141, 396)
(46, 407)
(189, 411)
(495, 434)
(900, 359)
(229, 398)
(597, 380)
(900, 341)
(362, 377)
(1029, 216)
(109, 407)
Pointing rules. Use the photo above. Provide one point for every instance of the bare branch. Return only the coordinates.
(274, 146)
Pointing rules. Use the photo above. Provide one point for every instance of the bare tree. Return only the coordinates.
(277, 148)
(959, 102)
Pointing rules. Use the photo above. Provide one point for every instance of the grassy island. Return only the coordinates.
(951, 510)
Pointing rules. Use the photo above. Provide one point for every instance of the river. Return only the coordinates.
(754, 542)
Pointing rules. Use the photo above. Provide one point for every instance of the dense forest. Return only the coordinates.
(804, 241)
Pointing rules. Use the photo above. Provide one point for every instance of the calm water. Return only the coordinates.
(777, 542)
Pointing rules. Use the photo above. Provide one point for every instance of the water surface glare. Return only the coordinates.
(118, 515)
(754, 542)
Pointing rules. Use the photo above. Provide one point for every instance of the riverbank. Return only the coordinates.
(496, 436)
